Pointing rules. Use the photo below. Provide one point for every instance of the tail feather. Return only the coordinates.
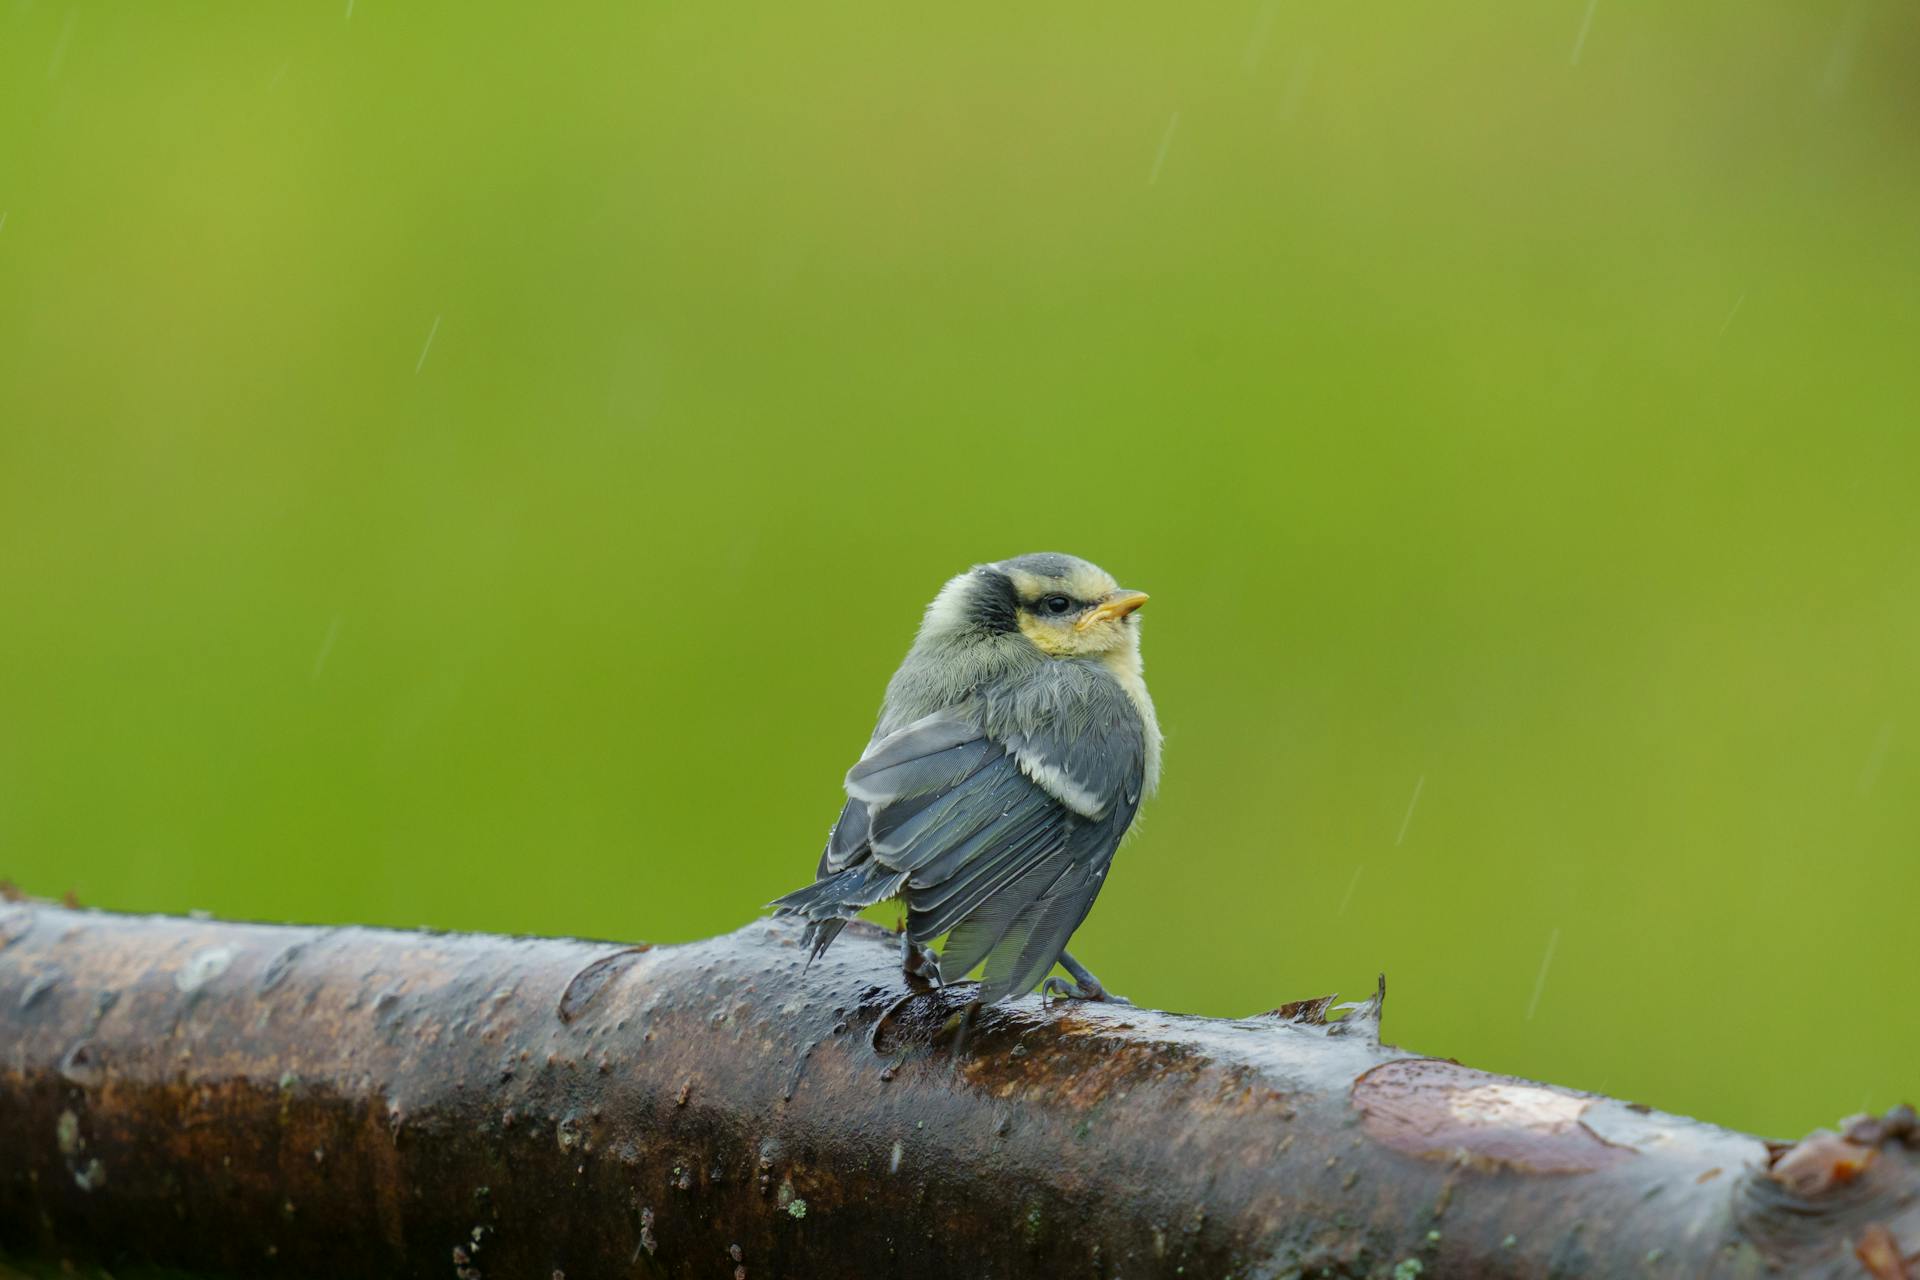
(831, 901)
(820, 935)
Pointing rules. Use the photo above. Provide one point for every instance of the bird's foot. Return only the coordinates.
(1081, 986)
(920, 965)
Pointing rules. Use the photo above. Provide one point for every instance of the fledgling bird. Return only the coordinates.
(1013, 750)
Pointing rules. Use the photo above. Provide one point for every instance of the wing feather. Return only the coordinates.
(994, 820)
(1031, 947)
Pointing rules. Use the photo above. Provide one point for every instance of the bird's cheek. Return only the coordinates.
(1049, 640)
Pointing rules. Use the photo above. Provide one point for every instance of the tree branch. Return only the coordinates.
(254, 1099)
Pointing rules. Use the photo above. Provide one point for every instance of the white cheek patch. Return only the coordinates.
(948, 612)
(1055, 782)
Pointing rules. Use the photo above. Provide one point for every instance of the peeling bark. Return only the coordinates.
(253, 1099)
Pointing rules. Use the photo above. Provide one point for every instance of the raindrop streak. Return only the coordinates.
(349, 10)
(423, 350)
(1262, 28)
(1540, 982)
(326, 645)
(1299, 80)
(3, 219)
(1166, 140)
(1726, 324)
(1876, 758)
(60, 45)
(1352, 884)
(1839, 68)
(1586, 25)
(1410, 807)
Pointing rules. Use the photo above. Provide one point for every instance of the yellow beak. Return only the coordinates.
(1117, 605)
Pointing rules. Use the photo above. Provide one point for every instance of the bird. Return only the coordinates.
(1013, 749)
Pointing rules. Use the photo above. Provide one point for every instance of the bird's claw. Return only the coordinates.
(1068, 989)
(921, 966)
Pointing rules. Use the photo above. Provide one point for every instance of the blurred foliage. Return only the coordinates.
(476, 465)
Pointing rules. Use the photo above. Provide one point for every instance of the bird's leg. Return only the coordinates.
(920, 965)
(1083, 987)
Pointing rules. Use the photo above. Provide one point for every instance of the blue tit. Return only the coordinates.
(1013, 750)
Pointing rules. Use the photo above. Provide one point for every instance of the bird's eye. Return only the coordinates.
(1057, 605)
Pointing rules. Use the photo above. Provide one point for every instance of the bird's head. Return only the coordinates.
(1064, 606)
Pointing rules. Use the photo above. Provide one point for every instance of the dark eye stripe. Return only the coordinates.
(995, 606)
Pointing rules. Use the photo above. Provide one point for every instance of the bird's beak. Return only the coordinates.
(1117, 605)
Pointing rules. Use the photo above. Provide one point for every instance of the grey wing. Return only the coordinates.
(866, 861)
(1090, 762)
(899, 775)
(1003, 842)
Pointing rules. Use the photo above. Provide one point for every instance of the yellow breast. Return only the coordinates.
(1125, 665)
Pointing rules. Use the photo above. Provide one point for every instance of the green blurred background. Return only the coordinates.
(476, 465)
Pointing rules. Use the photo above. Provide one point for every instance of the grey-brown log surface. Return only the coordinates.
(258, 1100)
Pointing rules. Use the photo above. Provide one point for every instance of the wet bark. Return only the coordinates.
(265, 1100)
